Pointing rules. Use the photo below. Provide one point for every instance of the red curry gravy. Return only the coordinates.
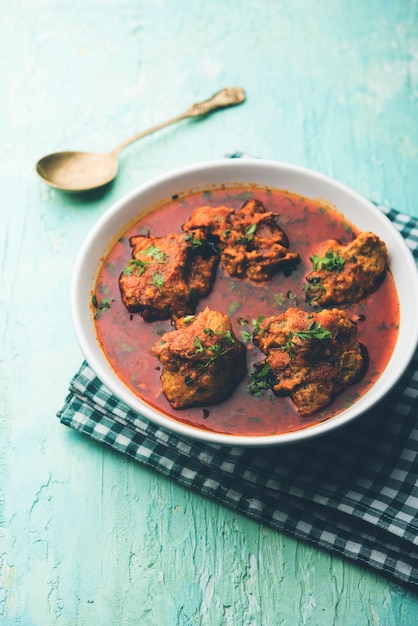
(127, 340)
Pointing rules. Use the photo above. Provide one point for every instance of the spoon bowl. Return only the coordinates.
(78, 171)
(84, 171)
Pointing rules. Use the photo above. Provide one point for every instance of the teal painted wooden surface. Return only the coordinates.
(89, 537)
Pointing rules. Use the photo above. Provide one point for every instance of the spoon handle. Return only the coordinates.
(227, 97)
(230, 96)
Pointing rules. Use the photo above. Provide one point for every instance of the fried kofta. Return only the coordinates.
(202, 360)
(345, 274)
(251, 243)
(167, 276)
(310, 356)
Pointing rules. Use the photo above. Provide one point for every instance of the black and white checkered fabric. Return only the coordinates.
(354, 492)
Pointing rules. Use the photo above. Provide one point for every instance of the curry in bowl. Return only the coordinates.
(246, 310)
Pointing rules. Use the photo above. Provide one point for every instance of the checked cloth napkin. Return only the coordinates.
(353, 492)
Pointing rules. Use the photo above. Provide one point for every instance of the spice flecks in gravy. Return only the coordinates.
(127, 340)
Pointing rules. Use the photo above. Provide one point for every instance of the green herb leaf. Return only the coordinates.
(293, 297)
(248, 234)
(279, 298)
(196, 243)
(209, 331)
(332, 261)
(313, 290)
(134, 265)
(101, 306)
(214, 351)
(256, 323)
(227, 334)
(229, 338)
(157, 281)
(155, 253)
(105, 303)
(262, 379)
(198, 345)
(246, 336)
(233, 307)
(314, 331)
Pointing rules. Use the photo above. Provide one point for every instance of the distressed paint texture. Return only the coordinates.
(88, 537)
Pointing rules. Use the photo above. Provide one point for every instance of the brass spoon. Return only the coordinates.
(83, 171)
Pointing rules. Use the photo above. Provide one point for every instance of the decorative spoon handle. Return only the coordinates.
(227, 97)
(230, 96)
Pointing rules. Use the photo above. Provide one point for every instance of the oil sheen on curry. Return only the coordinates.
(247, 311)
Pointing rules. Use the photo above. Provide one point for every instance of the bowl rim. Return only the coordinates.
(94, 248)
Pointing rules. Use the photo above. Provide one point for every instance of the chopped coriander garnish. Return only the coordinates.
(279, 298)
(214, 351)
(196, 243)
(134, 265)
(155, 253)
(101, 306)
(227, 334)
(105, 304)
(332, 261)
(248, 234)
(138, 266)
(157, 281)
(246, 336)
(262, 379)
(233, 307)
(314, 331)
(229, 338)
(210, 332)
(198, 345)
(314, 289)
(256, 323)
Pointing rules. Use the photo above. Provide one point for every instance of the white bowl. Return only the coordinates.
(357, 210)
